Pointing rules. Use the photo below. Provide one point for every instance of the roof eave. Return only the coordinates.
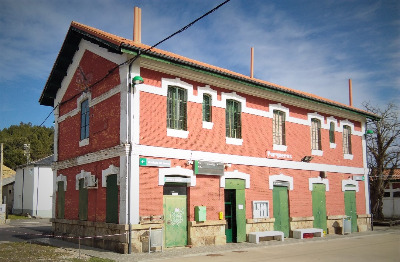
(243, 80)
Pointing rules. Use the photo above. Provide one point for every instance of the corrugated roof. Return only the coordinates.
(46, 161)
(117, 44)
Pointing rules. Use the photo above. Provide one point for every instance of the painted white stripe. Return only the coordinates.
(152, 151)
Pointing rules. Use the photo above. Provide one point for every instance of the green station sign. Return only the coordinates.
(208, 168)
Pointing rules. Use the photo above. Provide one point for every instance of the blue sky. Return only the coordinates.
(313, 46)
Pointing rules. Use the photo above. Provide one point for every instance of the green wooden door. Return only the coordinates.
(175, 215)
(60, 199)
(112, 199)
(351, 208)
(319, 206)
(83, 201)
(281, 209)
(230, 215)
(236, 189)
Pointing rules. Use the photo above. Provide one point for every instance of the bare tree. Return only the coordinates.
(383, 152)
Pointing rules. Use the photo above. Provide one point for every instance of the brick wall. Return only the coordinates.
(96, 197)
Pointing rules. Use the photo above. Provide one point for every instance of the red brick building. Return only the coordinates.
(208, 154)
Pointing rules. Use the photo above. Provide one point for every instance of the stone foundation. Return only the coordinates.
(300, 222)
(364, 222)
(335, 224)
(260, 224)
(206, 233)
(72, 230)
(115, 236)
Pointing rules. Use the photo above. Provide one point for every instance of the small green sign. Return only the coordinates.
(143, 161)
(154, 162)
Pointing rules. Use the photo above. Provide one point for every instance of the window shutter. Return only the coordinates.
(319, 135)
(238, 120)
(283, 128)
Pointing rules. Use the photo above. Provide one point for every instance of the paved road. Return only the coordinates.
(383, 247)
(382, 244)
(24, 229)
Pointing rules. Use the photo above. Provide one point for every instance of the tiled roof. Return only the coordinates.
(396, 174)
(7, 172)
(117, 43)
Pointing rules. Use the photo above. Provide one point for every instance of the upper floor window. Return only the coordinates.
(207, 108)
(316, 134)
(347, 140)
(85, 119)
(278, 128)
(332, 133)
(233, 119)
(176, 108)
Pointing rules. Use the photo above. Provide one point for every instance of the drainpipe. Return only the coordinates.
(37, 190)
(22, 191)
(130, 92)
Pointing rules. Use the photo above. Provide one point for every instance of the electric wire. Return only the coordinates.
(133, 59)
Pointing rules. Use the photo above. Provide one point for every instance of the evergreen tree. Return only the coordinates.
(14, 138)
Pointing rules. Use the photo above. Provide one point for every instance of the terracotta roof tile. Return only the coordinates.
(117, 40)
(7, 172)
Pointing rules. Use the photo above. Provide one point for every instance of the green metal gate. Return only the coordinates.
(351, 208)
(112, 199)
(235, 209)
(175, 215)
(319, 206)
(281, 209)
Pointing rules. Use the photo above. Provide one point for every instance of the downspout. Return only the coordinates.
(366, 178)
(37, 191)
(130, 91)
(22, 191)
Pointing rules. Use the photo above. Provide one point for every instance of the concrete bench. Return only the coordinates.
(254, 237)
(298, 233)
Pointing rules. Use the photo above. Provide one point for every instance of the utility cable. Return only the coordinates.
(133, 59)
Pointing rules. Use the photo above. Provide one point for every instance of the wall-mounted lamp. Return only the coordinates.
(306, 159)
(137, 80)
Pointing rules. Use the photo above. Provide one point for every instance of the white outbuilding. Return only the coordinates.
(33, 189)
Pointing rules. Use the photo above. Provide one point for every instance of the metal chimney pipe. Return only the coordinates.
(252, 62)
(137, 25)
(350, 93)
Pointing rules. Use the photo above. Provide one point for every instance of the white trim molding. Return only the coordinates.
(63, 179)
(350, 185)
(111, 170)
(83, 174)
(348, 156)
(177, 133)
(318, 180)
(176, 171)
(234, 141)
(235, 174)
(278, 178)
